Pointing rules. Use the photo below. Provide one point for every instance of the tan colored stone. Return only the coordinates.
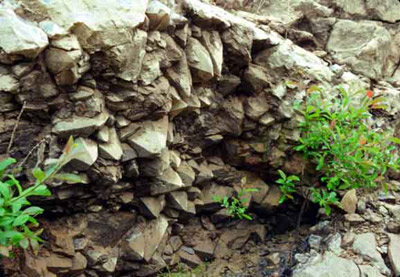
(349, 202)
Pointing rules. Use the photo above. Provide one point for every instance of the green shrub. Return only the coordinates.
(347, 153)
(17, 215)
(236, 206)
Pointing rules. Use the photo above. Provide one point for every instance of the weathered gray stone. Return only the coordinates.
(257, 78)
(103, 135)
(365, 46)
(81, 126)
(238, 41)
(255, 107)
(213, 43)
(394, 253)
(365, 245)
(152, 206)
(155, 167)
(66, 60)
(88, 156)
(112, 149)
(177, 200)
(329, 266)
(151, 138)
(228, 83)
(133, 246)
(153, 234)
(52, 29)
(168, 181)
(199, 61)
(126, 59)
(150, 69)
(292, 59)
(385, 10)
(181, 78)
(98, 24)
(186, 173)
(8, 83)
(191, 260)
(19, 37)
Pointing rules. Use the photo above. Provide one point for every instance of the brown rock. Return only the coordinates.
(349, 202)
(79, 263)
(191, 259)
(55, 262)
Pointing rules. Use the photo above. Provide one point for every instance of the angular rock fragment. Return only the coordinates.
(199, 61)
(88, 156)
(112, 149)
(186, 173)
(180, 77)
(150, 139)
(177, 200)
(213, 43)
(133, 246)
(289, 58)
(126, 59)
(168, 181)
(153, 234)
(152, 206)
(79, 125)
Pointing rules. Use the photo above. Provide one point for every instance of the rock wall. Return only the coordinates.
(174, 103)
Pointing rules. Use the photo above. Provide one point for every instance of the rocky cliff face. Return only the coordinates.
(174, 103)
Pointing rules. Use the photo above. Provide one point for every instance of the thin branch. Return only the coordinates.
(15, 128)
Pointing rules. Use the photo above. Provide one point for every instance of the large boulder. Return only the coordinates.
(19, 38)
(385, 10)
(328, 265)
(287, 58)
(98, 24)
(365, 46)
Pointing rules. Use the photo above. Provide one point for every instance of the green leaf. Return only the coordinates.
(293, 178)
(20, 220)
(6, 221)
(282, 174)
(15, 182)
(41, 190)
(70, 178)
(24, 243)
(327, 209)
(395, 140)
(11, 234)
(39, 174)
(247, 217)
(5, 164)
(15, 207)
(5, 191)
(33, 211)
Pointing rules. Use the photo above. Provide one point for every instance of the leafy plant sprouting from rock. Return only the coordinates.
(17, 216)
(338, 138)
(236, 206)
